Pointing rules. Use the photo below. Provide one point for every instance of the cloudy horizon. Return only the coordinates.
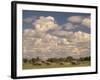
(56, 34)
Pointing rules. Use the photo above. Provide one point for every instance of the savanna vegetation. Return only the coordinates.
(69, 61)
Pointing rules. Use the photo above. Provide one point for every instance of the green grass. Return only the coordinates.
(55, 65)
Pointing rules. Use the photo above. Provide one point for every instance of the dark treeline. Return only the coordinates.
(70, 59)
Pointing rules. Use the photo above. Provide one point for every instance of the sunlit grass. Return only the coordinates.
(55, 65)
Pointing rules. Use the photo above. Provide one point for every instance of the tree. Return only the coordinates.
(85, 58)
(61, 59)
(69, 58)
(38, 59)
(33, 60)
(52, 60)
(25, 60)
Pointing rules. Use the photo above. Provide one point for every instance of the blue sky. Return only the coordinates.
(60, 17)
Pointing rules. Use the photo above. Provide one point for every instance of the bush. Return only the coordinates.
(69, 59)
(25, 60)
(85, 58)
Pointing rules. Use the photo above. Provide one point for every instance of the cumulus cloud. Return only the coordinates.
(50, 18)
(86, 22)
(70, 26)
(75, 19)
(39, 41)
(28, 32)
(59, 33)
(29, 19)
(44, 24)
(81, 36)
(83, 20)
(53, 43)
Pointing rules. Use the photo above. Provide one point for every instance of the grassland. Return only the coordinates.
(55, 65)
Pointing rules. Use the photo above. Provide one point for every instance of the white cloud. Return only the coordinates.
(38, 42)
(44, 24)
(59, 33)
(29, 19)
(86, 22)
(83, 20)
(70, 26)
(52, 45)
(29, 32)
(75, 19)
(81, 36)
(50, 18)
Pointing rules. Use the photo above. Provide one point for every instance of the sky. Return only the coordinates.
(29, 16)
(50, 32)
